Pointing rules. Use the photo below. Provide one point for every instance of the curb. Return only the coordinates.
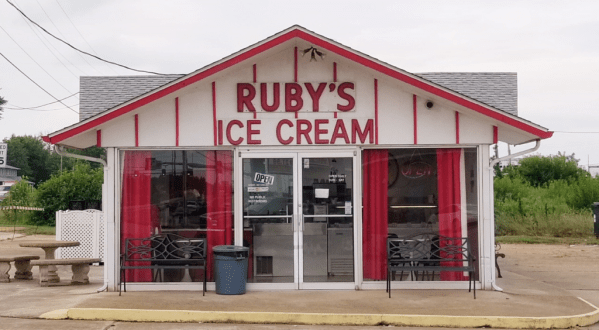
(139, 315)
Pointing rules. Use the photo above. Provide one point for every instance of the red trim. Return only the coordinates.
(255, 74)
(296, 33)
(220, 132)
(136, 131)
(334, 71)
(457, 127)
(295, 64)
(495, 135)
(376, 111)
(176, 121)
(99, 138)
(415, 119)
(214, 109)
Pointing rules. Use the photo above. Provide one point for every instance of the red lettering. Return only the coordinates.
(293, 93)
(318, 131)
(279, 137)
(351, 102)
(243, 99)
(368, 130)
(264, 97)
(315, 94)
(252, 131)
(229, 127)
(339, 132)
(304, 131)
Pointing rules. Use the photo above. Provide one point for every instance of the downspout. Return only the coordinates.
(60, 150)
(491, 165)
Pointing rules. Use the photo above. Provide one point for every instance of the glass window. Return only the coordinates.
(183, 192)
(417, 191)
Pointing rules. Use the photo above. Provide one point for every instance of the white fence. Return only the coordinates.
(85, 227)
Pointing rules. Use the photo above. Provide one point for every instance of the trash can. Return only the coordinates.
(596, 218)
(230, 268)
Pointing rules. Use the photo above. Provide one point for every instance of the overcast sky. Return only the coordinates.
(553, 46)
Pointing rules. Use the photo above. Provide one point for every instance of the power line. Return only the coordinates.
(50, 50)
(41, 67)
(30, 109)
(81, 51)
(576, 132)
(81, 35)
(62, 35)
(43, 105)
(54, 97)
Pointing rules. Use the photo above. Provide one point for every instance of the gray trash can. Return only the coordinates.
(596, 218)
(230, 268)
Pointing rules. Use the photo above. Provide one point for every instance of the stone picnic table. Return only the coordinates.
(49, 248)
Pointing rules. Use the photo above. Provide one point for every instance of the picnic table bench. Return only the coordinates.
(429, 253)
(79, 267)
(22, 267)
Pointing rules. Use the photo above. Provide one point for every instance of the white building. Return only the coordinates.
(310, 161)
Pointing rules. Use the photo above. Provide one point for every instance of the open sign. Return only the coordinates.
(264, 178)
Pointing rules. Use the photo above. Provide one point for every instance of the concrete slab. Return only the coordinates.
(534, 296)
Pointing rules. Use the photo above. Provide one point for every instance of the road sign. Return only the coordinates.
(3, 154)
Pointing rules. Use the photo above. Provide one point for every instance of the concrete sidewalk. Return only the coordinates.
(527, 302)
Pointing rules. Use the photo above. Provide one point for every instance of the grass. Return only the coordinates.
(522, 239)
(8, 226)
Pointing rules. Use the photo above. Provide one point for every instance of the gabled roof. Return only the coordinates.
(319, 41)
(497, 89)
(97, 94)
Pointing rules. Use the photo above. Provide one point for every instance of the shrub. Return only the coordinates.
(21, 194)
(82, 183)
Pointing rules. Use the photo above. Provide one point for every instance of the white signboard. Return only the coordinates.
(264, 178)
(3, 154)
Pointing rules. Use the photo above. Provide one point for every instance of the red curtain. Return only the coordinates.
(136, 211)
(219, 193)
(450, 214)
(375, 164)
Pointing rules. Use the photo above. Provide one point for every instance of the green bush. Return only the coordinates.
(583, 194)
(82, 183)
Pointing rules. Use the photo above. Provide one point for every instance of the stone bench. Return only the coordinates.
(79, 266)
(22, 267)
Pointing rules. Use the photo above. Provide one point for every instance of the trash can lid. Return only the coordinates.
(230, 248)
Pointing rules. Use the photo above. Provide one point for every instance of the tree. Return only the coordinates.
(37, 160)
(82, 183)
(30, 156)
(2, 102)
(539, 171)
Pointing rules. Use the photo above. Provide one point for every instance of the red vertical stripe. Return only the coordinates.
(495, 135)
(220, 132)
(457, 127)
(136, 132)
(295, 64)
(99, 138)
(415, 119)
(376, 111)
(214, 110)
(334, 71)
(177, 121)
(255, 76)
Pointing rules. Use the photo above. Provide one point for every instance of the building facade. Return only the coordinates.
(306, 151)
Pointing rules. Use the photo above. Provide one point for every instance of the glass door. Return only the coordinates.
(326, 228)
(298, 219)
(269, 217)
